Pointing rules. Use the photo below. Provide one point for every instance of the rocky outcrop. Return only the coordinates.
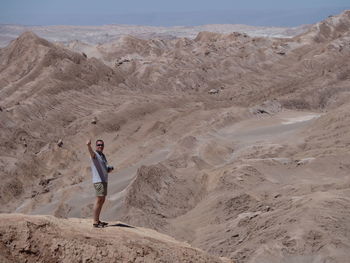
(49, 239)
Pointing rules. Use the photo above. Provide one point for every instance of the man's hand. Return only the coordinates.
(88, 142)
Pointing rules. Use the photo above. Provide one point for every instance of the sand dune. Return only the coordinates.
(237, 145)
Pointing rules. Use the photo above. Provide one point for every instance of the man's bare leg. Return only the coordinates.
(97, 208)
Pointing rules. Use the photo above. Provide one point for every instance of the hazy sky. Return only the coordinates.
(163, 12)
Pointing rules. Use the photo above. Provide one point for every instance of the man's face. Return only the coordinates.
(99, 146)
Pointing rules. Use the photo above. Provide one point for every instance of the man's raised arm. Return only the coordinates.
(92, 153)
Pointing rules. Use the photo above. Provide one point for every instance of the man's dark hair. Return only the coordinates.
(99, 140)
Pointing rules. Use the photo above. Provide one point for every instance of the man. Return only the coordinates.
(100, 170)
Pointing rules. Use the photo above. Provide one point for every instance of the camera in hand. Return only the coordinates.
(110, 168)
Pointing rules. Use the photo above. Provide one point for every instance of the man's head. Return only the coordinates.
(100, 145)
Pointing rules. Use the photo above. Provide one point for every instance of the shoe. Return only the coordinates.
(99, 225)
(103, 223)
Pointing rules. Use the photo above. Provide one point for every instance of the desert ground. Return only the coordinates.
(227, 147)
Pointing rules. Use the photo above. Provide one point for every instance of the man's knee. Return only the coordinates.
(100, 199)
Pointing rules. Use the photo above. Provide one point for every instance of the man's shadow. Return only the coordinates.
(122, 225)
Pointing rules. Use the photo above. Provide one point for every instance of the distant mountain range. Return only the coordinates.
(104, 34)
(272, 23)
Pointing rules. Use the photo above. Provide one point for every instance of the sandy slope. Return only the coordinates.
(261, 202)
(257, 172)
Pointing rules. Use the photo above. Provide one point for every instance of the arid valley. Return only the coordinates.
(227, 146)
